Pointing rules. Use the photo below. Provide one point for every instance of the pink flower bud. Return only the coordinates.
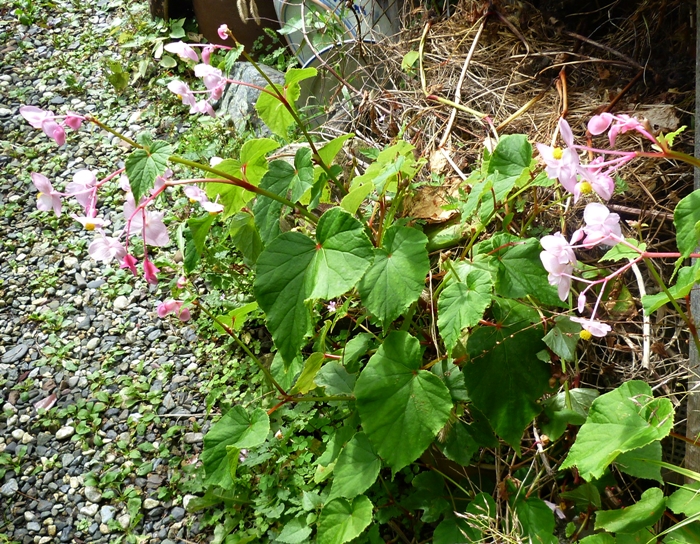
(223, 31)
(150, 271)
(129, 261)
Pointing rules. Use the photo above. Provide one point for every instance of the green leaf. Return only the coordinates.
(624, 419)
(356, 196)
(688, 276)
(453, 378)
(636, 462)
(267, 211)
(409, 60)
(199, 227)
(356, 470)
(329, 151)
(397, 276)
(455, 531)
(272, 111)
(335, 379)
(584, 496)
(686, 500)
(644, 513)
(504, 377)
(429, 496)
(622, 251)
(251, 167)
(305, 381)
(512, 157)
(344, 254)
(537, 520)
(557, 409)
(144, 165)
(238, 429)
(294, 269)
(355, 349)
(303, 178)
(686, 534)
(563, 338)
(602, 538)
(341, 521)
(236, 318)
(245, 237)
(463, 302)
(520, 271)
(401, 407)
(295, 531)
(459, 445)
(686, 219)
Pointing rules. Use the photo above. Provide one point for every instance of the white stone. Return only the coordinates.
(92, 494)
(27, 438)
(121, 303)
(150, 504)
(17, 434)
(89, 510)
(193, 438)
(124, 521)
(65, 432)
(70, 262)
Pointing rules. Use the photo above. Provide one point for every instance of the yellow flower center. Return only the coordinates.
(89, 226)
(557, 153)
(192, 201)
(40, 195)
(585, 335)
(179, 97)
(586, 188)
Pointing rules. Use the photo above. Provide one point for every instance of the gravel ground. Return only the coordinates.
(124, 390)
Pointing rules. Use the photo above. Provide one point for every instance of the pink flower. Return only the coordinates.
(129, 261)
(83, 188)
(174, 306)
(73, 120)
(600, 123)
(154, 231)
(212, 207)
(561, 163)
(602, 227)
(91, 223)
(195, 194)
(593, 327)
(182, 91)
(181, 282)
(182, 50)
(203, 106)
(594, 180)
(150, 271)
(223, 31)
(559, 260)
(54, 131)
(46, 121)
(206, 54)
(48, 198)
(213, 79)
(620, 124)
(106, 248)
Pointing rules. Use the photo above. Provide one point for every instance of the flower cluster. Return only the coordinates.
(52, 125)
(601, 227)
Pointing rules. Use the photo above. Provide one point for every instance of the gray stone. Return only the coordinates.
(124, 521)
(177, 513)
(193, 438)
(150, 504)
(80, 281)
(89, 510)
(168, 402)
(33, 527)
(95, 284)
(107, 513)
(121, 303)
(93, 343)
(9, 488)
(239, 100)
(15, 354)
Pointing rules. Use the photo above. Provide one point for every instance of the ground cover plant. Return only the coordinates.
(422, 384)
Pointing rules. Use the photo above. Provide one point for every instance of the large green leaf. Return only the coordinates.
(537, 520)
(272, 111)
(686, 500)
(430, 496)
(459, 444)
(631, 519)
(295, 531)
(144, 165)
(305, 381)
(237, 429)
(602, 538)
(624, 419)
(686, 218)
(357, 468)
(397, 277)
(686, 534)
(294, 268)
(504, 377)
(303, 178)
(636, 462)
(244, 235)
(341, 521)
(266, 210)
(401, 407)
(343, 254)
(520, 270)
(335, 379)
(455, 531)
(463, 303)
